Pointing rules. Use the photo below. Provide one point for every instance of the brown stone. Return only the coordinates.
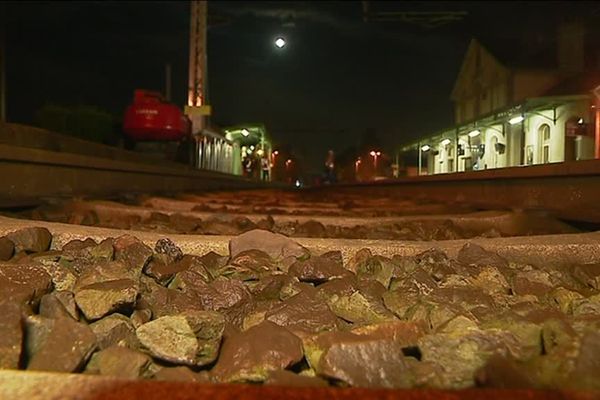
(522, 285)
(11, 338)
(304, 312)
(278, 247)
(31, 239)
(58, 345)
(23, 283)
(266, 224)
(586, 369)
(338, 287)
(7, 248)
(100, 299)
(77, 244)
(372, 363)
(251, 355)
(269, 287)
(502, 372)
(405, 333)
(359, 258)
(317, 270)
(400, 301)
(114, 330)
(163, 273)
(192, 277)
(162, 301)
(140, 317)
(254, 260)
(229, 296)
(311, 228)
(132, 252)
(588, 275)
(168, 248)
(106, 272)
(377, 268)
(184, 224)
(334, 255)
(158, 218)
(294, 287)
(191, 338)
(460, 355)
(181, 374)
(473, 254)
(59, 305)
(119, 362)
(213, 261)
(359, 308)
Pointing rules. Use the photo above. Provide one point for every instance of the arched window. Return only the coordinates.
(544, 142)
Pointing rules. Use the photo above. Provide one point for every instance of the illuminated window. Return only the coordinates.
(544, 136)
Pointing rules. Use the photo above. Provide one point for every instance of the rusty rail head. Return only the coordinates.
(51, 386)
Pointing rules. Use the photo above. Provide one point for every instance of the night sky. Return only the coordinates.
(338, 78)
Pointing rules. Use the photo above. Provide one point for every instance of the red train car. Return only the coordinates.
(151, 118)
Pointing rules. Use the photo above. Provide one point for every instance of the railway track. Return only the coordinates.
(339, 287)
(509, 275)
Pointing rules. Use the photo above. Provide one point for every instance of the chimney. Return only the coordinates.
(571, 47)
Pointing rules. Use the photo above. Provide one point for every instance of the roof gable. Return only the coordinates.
(478, 62)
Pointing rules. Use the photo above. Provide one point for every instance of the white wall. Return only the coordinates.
(533, 123)
(584, 146)
(492, 158)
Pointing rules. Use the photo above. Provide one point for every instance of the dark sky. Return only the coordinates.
(338, 77)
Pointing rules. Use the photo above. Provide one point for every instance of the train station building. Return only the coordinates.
(517, 111)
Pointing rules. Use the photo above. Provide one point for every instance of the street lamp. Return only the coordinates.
(474, 133)
(375, 154)
(356, 164)
(245, 132)
(280, 42)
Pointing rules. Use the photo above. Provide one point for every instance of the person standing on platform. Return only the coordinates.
(264, 165)
(330, 168)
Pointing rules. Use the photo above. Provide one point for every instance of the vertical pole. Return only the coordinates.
(419, 150)
(197, 61)
(456, 156)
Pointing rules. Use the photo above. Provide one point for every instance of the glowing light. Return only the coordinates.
(249, 152)
(378, 153)
(275, 152)
(251, 147)
(580, 121)
(516, 120)
(280, 42)
(245, 132)
(297, 183)
(446, 142)
(474, 133)
(260, 152)
(425, 147)
(288, 162)
(373, 153)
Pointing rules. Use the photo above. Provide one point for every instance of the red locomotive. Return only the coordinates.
(151, 118)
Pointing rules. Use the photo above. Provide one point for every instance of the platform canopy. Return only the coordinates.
(248, 134)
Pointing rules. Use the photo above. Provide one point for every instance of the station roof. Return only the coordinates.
(496, 117)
